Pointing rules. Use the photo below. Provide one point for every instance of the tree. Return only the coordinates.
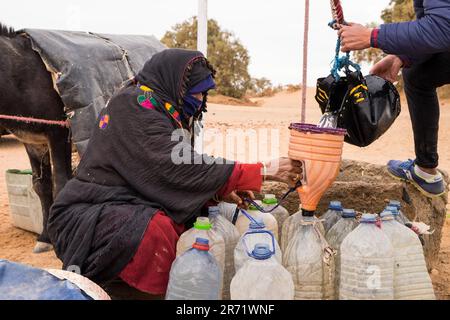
(225, 52)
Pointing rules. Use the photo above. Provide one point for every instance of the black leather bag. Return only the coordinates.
(365, 106)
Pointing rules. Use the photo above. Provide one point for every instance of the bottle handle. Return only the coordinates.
(249, 253)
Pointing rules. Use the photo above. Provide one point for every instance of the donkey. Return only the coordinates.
(26, 90)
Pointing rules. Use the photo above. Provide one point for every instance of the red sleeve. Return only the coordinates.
(244, 177)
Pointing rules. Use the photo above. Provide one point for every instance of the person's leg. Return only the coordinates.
(421, 82)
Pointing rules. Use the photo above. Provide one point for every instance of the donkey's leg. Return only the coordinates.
(39, 156)
(61, 158)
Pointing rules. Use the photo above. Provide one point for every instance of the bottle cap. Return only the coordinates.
(214, 211)
(348, 213)
(261, 251)
(393, 209)
(395, 203)
(270, 199)
(257, 224)
(335, 205)
(386, 213)
(201, 244)
(253, 208)
(369, 218)
(202, 223)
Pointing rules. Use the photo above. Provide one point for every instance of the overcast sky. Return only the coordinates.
(272, 30)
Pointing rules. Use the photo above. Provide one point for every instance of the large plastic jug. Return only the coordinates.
(256, 233)
(411, 278)
(262, 278)
(270, 222)
(336, 235)
(310, 260)
(195, 275)
(291, 225)
(231, 237)
(367, 263)
(203, 229)
(280, 213)
(333, 214)
(228, 210)
(400, 217)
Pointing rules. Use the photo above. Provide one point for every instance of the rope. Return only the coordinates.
(343, 62)
(62, 123)
(305, 62)
(337, 12)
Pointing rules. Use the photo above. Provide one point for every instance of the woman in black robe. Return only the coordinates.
(131, 198)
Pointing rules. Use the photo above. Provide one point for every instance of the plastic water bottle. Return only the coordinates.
(310, 261)
(336, 235)
(367, 263)
(400, 217)
(291, 226)
(228, 210)
(256, 233)
(230, 236)
(280, 213)
(195, 275)
(411, 278)
(242, 223)
(262, 278)
(203, 229)
(333, 214)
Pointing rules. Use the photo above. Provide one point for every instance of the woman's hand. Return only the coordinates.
(388, 68)
(238, 198)
(354, 36)
(285, 170)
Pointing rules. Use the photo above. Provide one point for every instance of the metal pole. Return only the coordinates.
(305, 62)
(202, 30)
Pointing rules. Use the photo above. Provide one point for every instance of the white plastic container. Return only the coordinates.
(203, 229)
(231, 237)
(228, 210)
(256, 234)
(242, 222)
(280, 213)
(398, 214)
(262, 278)
(195, 275)
(411, 278)
(333, 214)
(24, 204)
(367, 263)
(291, 226)
(336, 235)
(308, 260)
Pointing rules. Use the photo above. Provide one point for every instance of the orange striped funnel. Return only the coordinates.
(320, 150)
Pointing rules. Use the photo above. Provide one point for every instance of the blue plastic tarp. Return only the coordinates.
(21, 282)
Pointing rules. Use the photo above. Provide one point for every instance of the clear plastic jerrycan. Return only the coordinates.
(280, 213)
(231, 237)
(333, 214)
(336, 235)
(400, 217)
(195, 275)
(411, 278)
(256, 233)
(367, 263)
(228, 210)
(203, 229)
(243, 222)
(310, 260)
(262, 278)
(291, 225)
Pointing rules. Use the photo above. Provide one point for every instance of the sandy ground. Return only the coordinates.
(274, 114)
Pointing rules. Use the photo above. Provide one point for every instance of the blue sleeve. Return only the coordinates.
(421, 38)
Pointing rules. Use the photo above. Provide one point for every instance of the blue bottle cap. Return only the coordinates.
(202, 241)
(369, 218)
(348, 213)
(335, 205)
(386, 213)
(261, 251)
(393, 209)
(395, 203)
(257, 224)
(214, 211)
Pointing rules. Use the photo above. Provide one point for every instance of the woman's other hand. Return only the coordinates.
(388, 68)
(237, 197)
(285, 170)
